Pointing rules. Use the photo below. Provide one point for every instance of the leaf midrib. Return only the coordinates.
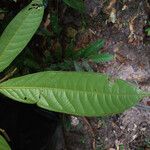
(73, 90)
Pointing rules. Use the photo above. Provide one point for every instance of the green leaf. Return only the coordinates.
(55, 24)
(3, 144)
(69, 51)
(148, 31)
(3, 10)
(31, 63)
(76, 4)
(78, 93)
(91, 49)
(19, 32)
(101, 57)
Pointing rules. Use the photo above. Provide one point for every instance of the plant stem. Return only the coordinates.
(7, 76)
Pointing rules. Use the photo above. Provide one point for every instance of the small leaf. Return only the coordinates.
(3, 10)
(55, 24)
(92, 49)
(3, 144)
(19, 32)
(78, 93)
(76, 4)
(31, 63)
(69, 51)
(148, 31)
(58, 51)
(101, 58)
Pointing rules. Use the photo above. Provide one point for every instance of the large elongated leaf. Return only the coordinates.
(87, 94)
(3, 144)
(19, 32)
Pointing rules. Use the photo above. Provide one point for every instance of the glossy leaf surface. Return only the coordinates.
(3, 144)
(19, 32)
(78, 93)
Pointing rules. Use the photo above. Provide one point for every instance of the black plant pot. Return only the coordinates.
(28, 127)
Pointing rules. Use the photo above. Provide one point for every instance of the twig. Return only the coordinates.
(143, 107)
(5, 134)
(7, 76)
